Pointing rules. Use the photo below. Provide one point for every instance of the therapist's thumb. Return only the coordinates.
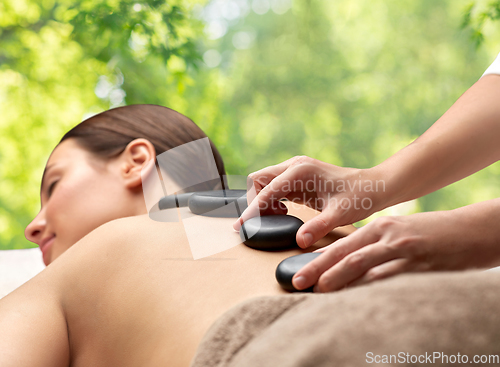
(315, 229)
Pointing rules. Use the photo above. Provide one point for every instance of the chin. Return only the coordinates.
(46, 261)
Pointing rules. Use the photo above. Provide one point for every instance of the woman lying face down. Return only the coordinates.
(125, 290)
(93, 174)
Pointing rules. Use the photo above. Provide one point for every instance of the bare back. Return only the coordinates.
(131, 294)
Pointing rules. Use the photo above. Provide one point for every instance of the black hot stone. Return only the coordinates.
(174, 201)
(271, 232)
(203, 203)
(288, 267)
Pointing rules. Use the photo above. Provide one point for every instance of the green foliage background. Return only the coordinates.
(348, 82)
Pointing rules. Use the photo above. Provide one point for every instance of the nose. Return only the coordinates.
(34, 231)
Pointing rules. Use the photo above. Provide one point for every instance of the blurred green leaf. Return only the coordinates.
(477, 15)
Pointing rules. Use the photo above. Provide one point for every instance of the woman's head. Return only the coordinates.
(94, 173)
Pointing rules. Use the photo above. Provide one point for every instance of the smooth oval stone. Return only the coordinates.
(271, 232)
(288, 267)
(215, 203)
(174, 201)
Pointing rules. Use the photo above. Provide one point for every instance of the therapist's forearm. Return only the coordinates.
(463, 141)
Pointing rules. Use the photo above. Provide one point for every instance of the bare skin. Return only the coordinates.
(121, 289)
(129, 294)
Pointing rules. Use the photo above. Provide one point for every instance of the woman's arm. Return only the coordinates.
(33, 329)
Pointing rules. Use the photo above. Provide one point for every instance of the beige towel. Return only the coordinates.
(400, 318)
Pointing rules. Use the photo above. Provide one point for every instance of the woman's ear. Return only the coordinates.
(136, 157)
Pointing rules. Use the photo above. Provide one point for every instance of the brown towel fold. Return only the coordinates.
(409, 315)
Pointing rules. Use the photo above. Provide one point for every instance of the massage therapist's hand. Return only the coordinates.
(448, 240)
(343, 195)
(463, 141)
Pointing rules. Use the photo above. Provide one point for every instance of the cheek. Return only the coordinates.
(78, 206)
(65, 217)
(74, 212)
(69, 204)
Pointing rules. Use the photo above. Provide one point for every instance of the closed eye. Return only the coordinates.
(51, 187)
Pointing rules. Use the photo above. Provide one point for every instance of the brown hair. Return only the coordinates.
(107, 135)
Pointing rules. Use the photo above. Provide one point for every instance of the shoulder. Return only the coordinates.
(117, 242)
(133, 227)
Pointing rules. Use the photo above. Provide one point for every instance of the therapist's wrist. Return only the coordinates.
(383, 194)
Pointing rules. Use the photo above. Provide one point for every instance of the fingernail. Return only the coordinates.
(307, 238)
(300, 282)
